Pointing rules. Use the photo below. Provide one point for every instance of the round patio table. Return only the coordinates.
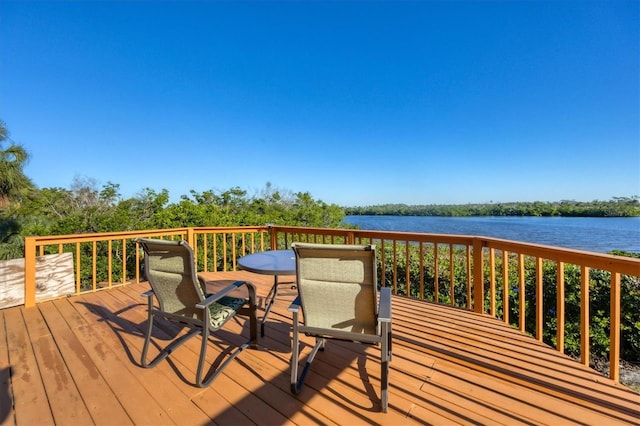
(272, 262)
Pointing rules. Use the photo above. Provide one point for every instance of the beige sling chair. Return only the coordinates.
(170, 269)
(338, 296)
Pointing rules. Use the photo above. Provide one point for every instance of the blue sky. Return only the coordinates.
(357, 103)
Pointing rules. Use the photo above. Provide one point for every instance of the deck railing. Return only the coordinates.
(502, 278)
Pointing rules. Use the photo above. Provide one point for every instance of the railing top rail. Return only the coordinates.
(231, 228)
(622, 264)
(385, 235)
(99, 236)
(61, 239)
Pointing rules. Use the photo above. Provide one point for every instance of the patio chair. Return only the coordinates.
(170, 269)
(338, 296)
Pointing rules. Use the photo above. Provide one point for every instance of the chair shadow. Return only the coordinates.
(333, 359)
(330, 357)
(6, 402)
(338, 357)
(163, 331)
(118, 324)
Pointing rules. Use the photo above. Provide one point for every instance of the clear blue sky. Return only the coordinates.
(357, 103)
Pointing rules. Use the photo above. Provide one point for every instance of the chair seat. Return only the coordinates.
(224, 309)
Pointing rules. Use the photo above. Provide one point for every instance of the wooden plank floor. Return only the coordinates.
(76, 361)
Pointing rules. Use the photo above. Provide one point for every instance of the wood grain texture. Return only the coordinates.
(77, 361)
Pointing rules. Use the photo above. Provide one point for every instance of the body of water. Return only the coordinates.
(583, 233)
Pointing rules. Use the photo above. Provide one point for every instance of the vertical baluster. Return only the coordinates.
(614, 348)
(521, 293)
(539, 299)
(584, 316)
(560, 308)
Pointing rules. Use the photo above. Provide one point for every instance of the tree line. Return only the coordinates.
(616, 207)
(87, 208)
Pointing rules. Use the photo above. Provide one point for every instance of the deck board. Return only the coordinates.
(86, 368)
(27, 387)
(6, 398)
(118, 334)
(76, 361)
(65, 400)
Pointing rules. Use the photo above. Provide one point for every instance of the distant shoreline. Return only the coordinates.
(484, 215)
(616, 207)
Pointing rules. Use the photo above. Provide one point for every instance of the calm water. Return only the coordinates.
(584, 233)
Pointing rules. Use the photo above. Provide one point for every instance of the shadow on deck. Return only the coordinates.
(76, 361)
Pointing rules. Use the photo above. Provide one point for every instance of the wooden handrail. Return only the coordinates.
(459, 270)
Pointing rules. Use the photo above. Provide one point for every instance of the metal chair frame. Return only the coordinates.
(197, 311)
(382, 314)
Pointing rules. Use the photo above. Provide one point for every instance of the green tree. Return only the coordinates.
(14, 184)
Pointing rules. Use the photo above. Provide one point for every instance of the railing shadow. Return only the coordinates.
(563, 385)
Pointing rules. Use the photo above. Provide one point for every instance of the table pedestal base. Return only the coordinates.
(271, 297)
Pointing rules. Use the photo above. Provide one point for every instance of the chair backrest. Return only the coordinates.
(170, 269)
(337, 285)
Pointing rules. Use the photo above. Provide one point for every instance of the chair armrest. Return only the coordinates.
(219, 295)
(147, 293)
(295, 305)
(384, 310)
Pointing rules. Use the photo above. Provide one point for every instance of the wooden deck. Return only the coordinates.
(76, 361)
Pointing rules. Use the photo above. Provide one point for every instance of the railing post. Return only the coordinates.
(273, 237)
(478, 276)
(191, 237)
(351, 239)
(29, 272)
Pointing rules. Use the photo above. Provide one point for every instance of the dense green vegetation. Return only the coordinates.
(14, 184)
(85, 208)
(616, 207)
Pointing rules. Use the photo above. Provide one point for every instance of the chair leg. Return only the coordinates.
(215, 369)
(252, 312)
(200, 328)
(147, 338)
(297, 383)
(203, 355)
(253, 324)
(167, 349)
(295, 351)
(385, 358)
(212, 374)
(384, 385)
